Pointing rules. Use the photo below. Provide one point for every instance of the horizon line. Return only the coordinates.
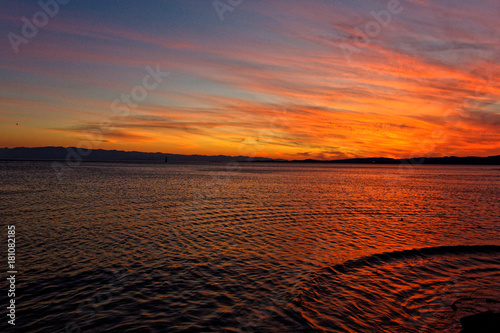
(252, 159)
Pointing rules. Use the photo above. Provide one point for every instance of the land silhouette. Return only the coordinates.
(101, 155)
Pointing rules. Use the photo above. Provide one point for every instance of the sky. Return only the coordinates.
(295, 79)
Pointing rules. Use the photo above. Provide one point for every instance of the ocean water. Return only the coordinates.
(251, 247)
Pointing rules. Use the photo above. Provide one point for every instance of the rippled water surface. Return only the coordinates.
(252, 247)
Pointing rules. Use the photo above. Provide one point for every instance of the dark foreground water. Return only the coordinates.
(251, 247)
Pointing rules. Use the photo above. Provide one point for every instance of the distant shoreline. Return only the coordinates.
(492, 160)
(70, 154)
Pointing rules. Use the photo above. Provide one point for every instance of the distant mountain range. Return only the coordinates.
(100, 155)
(469, 160)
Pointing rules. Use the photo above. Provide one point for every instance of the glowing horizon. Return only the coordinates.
(282, 79)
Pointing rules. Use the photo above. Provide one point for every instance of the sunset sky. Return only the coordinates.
(286, 79)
